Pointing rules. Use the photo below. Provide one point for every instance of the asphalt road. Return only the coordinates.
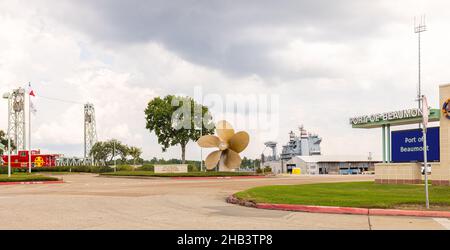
(86, 201)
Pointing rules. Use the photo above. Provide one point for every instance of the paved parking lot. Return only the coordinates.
(86, 201)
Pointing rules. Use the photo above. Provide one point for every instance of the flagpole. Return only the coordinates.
(29, 130)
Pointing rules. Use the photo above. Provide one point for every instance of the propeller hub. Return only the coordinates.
(223, 146)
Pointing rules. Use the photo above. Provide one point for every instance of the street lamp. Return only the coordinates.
(8, 97)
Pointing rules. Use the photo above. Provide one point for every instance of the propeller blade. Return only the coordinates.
(224, 130)
(212, 159)
(239, 141)
(232, 159)
(209, 141)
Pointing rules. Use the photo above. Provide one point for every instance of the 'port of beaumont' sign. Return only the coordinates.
(401, 117)
(407, 145)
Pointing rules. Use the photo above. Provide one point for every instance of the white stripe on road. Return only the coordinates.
(444, 222)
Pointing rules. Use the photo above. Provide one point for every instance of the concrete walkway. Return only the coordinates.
(86, 201)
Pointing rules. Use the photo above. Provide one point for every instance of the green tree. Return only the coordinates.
(100, 152)
(104, 152)
(118, 149)
(177, 120)
(4, 141)
(135, 153)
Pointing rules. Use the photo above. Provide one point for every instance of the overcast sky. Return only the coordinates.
(325, 60)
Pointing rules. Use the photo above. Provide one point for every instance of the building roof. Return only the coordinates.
(337, 158)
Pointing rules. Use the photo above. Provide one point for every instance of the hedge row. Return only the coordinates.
(89, 169)
(190, 174)
(24, 177)
(76, 169)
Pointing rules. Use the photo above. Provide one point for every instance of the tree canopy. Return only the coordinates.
(4, 141)
(177, 120)
(135, 153)
(104, 152)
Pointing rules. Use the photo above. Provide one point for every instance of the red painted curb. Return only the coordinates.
(339, 210)
(29, 183)
(314, 209)
(353, 210)
(418, 213)
(217, 177)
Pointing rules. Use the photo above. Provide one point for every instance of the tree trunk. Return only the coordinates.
(183, 153)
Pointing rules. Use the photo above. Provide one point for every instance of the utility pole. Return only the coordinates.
(29, 129)
(420, 27)
(201, 134)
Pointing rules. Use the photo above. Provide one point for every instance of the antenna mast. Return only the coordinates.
(419, 27)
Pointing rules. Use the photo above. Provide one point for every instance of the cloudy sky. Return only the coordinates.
(319, 62)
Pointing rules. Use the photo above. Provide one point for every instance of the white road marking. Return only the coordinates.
(444, 222)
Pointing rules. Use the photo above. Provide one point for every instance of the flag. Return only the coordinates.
(32, 108)
(31, 90)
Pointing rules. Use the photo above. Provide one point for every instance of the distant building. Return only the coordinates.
(321, 164)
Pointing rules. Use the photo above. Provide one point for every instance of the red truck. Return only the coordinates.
(20, 160)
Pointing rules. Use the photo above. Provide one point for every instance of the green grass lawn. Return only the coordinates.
(190, 174)
(350, 194)
(19, 177)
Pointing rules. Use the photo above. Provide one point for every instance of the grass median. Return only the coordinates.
(351, 194)
(26, 178)
(190, 174)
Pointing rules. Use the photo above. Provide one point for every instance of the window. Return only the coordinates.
(23, 153)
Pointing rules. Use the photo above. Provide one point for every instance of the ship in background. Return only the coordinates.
(304, 144)
(303, 152)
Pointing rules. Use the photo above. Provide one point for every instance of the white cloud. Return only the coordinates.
(321, 81)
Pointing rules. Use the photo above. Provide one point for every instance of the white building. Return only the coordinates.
(326, 164)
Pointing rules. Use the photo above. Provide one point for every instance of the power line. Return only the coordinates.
(60, 100)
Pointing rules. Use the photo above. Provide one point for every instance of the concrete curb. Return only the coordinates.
(338, 210)
(29, 183)
(182, 177)
(218, 177)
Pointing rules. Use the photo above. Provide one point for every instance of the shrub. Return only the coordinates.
(3, 170)
(146, 167)
(259, 171)
(125, 168)
(192, 168)
(267, 169)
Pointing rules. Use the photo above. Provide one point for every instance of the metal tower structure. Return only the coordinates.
(90, 131)
(272, 145)
(16, 119)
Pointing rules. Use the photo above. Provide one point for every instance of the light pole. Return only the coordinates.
(8, 97)
(114, 156)
(425, 118)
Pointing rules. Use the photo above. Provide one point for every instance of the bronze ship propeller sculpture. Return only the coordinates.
(229, 143)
